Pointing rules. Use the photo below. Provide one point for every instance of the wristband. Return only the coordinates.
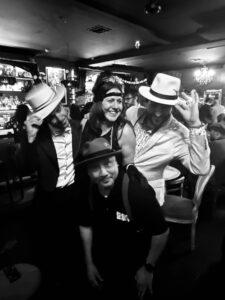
(199, 126)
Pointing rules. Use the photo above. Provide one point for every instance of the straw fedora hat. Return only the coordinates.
(164, 89)
(95, 150)
(42, 99)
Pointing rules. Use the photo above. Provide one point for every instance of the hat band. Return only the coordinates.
(99, 153)
(162, 96)
(43, 105)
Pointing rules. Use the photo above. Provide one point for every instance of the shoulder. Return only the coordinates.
(134, 112)
(177, 127)
(126, 132)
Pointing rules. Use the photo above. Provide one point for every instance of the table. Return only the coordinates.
(170, 173)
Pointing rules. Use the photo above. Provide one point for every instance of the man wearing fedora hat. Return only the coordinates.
(122, 227)
(50, 147)
(160, 138)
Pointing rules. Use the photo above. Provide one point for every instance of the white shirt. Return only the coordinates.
(64, 151)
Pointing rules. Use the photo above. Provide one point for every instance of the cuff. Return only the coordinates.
(198, 131)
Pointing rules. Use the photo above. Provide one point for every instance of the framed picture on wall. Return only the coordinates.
(54, 77)
(213, 94)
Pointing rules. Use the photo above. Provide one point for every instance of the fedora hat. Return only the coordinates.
(42, 99)
(95, 150)
(164, 89)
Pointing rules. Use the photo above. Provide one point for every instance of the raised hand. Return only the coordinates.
(188, 108)
(32, 125)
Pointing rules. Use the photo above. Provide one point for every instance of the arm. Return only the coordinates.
(144, 275)
(127, 142)
(93, 275)
(198, 158)
(27, 155)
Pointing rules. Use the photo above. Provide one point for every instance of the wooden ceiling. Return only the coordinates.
(103, 33)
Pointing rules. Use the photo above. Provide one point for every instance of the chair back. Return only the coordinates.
(201, 184)
(175, 186)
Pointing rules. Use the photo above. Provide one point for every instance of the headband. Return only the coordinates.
(112, 94)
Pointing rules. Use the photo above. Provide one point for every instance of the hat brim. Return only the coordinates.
(43, 113)
(85, 162)
(145, 92)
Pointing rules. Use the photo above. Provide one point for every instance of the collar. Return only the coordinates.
(57, 132)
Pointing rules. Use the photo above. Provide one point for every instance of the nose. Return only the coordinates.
(102, 170)
(158, 110)
(115, 104)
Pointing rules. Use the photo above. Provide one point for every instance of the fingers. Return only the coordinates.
(192, 98)
(33, 121)
(195, 96)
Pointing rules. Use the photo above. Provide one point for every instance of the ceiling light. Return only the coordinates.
(152, 7)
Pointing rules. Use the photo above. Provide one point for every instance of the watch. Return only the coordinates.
(149, 267)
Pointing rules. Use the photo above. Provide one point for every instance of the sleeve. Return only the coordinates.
(27, 154)
(192, 149)
(84, 212)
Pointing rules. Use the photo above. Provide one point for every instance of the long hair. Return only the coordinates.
(97, 116)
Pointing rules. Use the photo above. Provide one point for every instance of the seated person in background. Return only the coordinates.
(217, 158)
(130, 98)
(160, 138)
(217, 147)
(209, 111)
(123, 239)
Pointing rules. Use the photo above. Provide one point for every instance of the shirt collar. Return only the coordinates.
(57, 132)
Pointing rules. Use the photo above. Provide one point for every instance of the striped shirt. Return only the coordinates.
(64, 151)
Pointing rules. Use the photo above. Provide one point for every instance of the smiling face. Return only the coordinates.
(158, 113)
(112, 105)
(104, 172)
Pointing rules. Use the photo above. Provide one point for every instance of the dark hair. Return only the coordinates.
(21, 113)
(103, 88)
(131, 90)
(97, 117)
(221, 117)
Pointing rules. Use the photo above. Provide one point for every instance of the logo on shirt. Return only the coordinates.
(122, 217)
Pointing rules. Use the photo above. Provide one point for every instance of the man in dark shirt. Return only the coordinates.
(122, 227)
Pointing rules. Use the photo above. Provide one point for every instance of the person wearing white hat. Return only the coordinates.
(50, 147)
(160, 138)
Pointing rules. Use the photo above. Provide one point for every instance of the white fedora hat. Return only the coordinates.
(42, 99)
(164, 89)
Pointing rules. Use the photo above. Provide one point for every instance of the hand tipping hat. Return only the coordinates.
(95, 150)
(164, 89)
(42, 99)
